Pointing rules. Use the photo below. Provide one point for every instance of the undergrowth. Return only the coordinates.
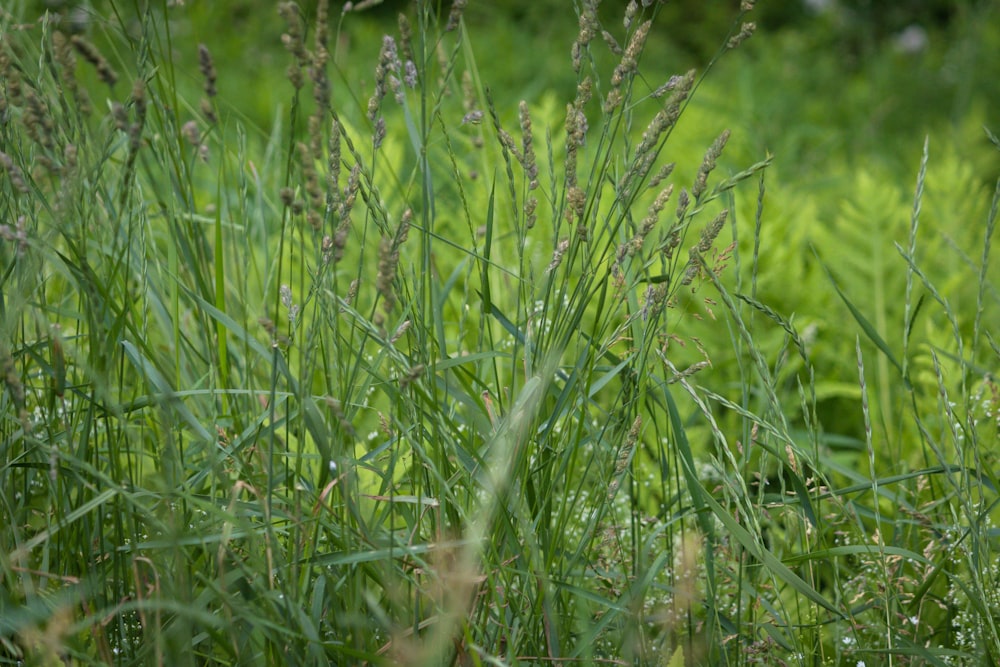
(426, 375)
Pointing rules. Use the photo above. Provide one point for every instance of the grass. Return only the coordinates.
(424, 374)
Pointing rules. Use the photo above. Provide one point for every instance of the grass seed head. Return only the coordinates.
(413, 374)
(455, 15)
(38, 121)
(326, 247)
(294, 38)
(613, 100)
(625, 454)
(708, 236)
(139, 99)
(208, 111)
(388, 263)
(322, 32)
(469, 100)
(378, 135)
(406, 37)
(528, 155)
(70, 159)
(410, 74)
(207, 66)
(12, 77)
(350, 192)
(683, 200)
(119, 116)
(662, 174)
(400, 331)
(584, 91)
(294, 42)
(340, 240)
(746, 30)
(612, 43)
(139, 105)
(711, 231)
(92, 55)
(388, 64)
(630, 13)
(630, 59)
(62, 48)
(312, 187)
(652, 217)
(557, 255)
(589, 25)
(17, 236)
(321, 88)
(708, 164)
(530, 215)
(14, 173)
(577, 200)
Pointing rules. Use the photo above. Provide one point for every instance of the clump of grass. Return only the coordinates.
(400, 381)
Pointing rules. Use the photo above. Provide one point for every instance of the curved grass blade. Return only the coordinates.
(865, 325)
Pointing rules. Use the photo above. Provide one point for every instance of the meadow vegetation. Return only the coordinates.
(369, 349)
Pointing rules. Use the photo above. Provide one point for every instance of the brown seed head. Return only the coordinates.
(682, 204)
(322, 31)
(38, 121)
(119, 116)
(577, 200)
(10, 75)
(557, 255)
(139, 99)
(530, 217)
(662, 174)
(589, 25)
(405, 37)
(388, 63)
(90, 53)
(208, 111)
(708, 164)
(746, 30)
(612, 43)
(455, 15)
(530, 166)
(14, 173)
(711, 231)
(630, 13)
(311, 178)
(333, 162)
(630, 59)
(63, 50)
(294, 38)
(207, 67)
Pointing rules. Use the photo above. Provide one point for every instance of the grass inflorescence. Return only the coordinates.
(418, 375)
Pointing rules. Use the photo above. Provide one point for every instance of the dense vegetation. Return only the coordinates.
(405, 337)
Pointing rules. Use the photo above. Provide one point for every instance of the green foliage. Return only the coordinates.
(424, 374)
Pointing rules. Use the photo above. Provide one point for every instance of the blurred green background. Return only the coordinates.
(820, 80)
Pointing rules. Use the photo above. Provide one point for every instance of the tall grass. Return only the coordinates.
(410, 379)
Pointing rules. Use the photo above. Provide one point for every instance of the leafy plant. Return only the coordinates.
(426, 375)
